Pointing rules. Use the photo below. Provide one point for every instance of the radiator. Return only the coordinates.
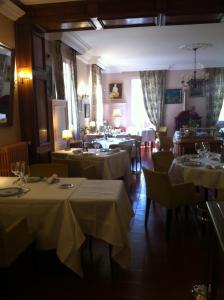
(12, 153)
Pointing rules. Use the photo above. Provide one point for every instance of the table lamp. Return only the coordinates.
(67, 135)
(92, 125)
(116, 114)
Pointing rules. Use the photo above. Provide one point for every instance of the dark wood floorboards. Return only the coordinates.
(159, 269)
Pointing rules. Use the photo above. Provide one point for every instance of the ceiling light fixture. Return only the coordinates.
(192, 81)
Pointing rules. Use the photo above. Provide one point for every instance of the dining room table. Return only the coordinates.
(63, 212)
(109, 164)
(206, 170)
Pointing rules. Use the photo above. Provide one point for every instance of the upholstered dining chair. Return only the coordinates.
(15, 238)
(126, 147)
(165, 142)
(162, 160)
(160, 190)
(48, 169)
(136, 153)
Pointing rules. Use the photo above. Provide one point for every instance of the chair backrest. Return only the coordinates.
(14, 239)
(165, 142)
(126, 147)
(158, 186)
(162, 160)
(49, 169)
(163, 129)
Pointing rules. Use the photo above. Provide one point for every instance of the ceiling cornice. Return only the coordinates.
(10, 10)
(69, 39)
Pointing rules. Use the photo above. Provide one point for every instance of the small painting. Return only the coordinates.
(197, 89)
(173, 96)
(86, 110)
(115, 91)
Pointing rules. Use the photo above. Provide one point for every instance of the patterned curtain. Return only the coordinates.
(97, 96)
(214, 94)
(153, 85)
(57, 65)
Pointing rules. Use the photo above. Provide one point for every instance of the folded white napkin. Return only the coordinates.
(54, 178)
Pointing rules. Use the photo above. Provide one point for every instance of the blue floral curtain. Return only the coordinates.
(214, 94)
(153, 85)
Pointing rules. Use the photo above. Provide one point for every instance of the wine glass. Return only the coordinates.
(206, 148)
(15, 169)
(198, 148)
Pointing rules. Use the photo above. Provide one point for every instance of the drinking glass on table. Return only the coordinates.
(199, 148)
(15, 166)
(206, 148)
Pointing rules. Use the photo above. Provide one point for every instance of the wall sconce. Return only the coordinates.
(67, 135)
(24, 74)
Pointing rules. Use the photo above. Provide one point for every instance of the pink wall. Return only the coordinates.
(173, 80)
(10, 134)
(109, 105)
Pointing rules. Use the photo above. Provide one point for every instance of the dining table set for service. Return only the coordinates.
(109, 163)
(62, 211)
(205, 170)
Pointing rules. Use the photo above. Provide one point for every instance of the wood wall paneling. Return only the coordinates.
(33, 101)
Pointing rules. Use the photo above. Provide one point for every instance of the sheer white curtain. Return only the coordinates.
(70, 92)
(139, 118)
(97, 96)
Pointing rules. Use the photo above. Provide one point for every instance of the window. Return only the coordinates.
(139, 118)
(221, 116)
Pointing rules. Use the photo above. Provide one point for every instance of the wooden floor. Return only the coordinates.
(159, 269)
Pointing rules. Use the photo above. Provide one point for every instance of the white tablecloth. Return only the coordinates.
(108, 166)
(209, 175)
(62, 217)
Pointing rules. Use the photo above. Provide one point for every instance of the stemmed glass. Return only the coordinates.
(15, 166)
(199, 148)
(206, 148)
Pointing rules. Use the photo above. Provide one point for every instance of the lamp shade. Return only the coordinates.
(66, 134)
(116, 113)
(92, 124)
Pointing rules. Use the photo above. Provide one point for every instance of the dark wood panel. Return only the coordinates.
(38, 59)
(33, 93)
(77, 15)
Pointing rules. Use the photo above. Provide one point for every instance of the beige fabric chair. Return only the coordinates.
(136, 154)
(14, 239)
(160, 189)
(126, 147)
(48, 169)
(162, 160)
(165, 142)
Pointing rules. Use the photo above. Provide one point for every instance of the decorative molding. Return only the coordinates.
(70, 39)
(10, 10)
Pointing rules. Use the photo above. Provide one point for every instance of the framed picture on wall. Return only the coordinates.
(86, 110)
(173, 96)
(198, 89)
(115, 92)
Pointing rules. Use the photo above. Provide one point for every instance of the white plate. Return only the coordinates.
(66, 185)
(33, 179)
(10, 191)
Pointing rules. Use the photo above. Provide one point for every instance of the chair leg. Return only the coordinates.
(111, 262)
(148, 202)
(168, 222)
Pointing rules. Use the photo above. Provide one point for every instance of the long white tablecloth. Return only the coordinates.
(210, 174)
(108, 166)
(62, 217)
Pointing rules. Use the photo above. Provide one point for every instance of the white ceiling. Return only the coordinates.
(153, 48)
